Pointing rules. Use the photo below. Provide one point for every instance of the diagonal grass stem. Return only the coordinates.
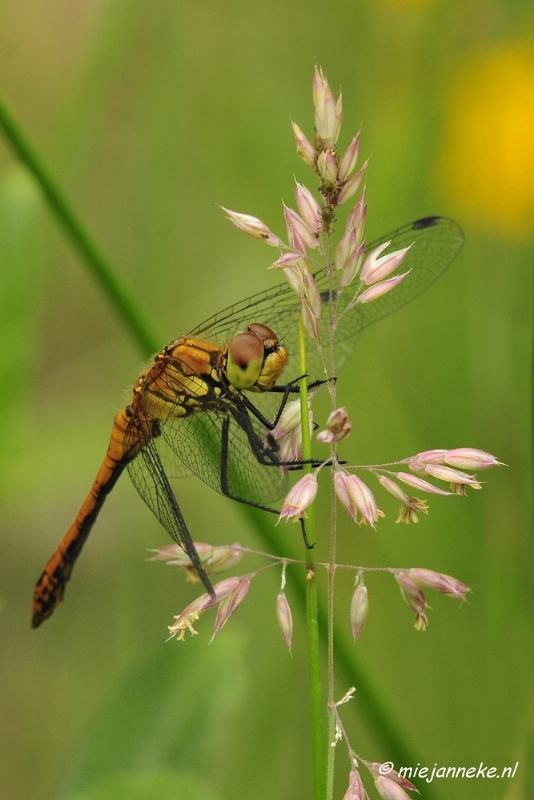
(100, 267)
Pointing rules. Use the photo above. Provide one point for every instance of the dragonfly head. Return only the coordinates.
(255, 359)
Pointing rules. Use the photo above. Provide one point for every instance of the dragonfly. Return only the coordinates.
(191, 409)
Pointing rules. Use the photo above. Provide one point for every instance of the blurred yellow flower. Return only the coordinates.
(487, 167)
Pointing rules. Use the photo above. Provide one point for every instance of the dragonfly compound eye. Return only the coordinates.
(245, 360)
(268, 337)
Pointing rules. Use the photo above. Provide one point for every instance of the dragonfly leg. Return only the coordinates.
(294, 388)
(305, 536)
(225, 484)
(225, 488)
(267, 423)
(287, 390)
(267, 455)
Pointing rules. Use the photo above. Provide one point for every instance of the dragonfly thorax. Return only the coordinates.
(255, 359)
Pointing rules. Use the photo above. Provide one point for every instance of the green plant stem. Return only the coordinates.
(333, 541)
(312, 614)
(99, 266)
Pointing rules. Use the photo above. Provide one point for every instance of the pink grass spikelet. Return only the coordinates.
(458, 480)
(375, 269)
(350, 187)
(215, 559)
(347, 245)
(293, 276)
(175, 551)
(309, 208)
(377, 769)
(184, 621)
(389, 789)
(338, 426)
(469, 458)
(309, 319)
(311, 291)
(290, 448)
(419, 483)
(289, 420)
(356, 497)
(359, 608)
(287, 260)
(300, 496)
(253, 226)
(297, 242)
(357, 217)
(393, 488)
(445, 584)
(327, 169)
(285, 619)
(327, 111)
(297, 226)
(229, 604)
(415, 597)
(411, 506)
(338, 114)
(372, 259)
(305, 149)
(356, 789)
(352, 267)
(288, 432)
(380, 289)
(431, 456)
(349, 159)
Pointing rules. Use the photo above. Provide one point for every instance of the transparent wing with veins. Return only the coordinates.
(436, 241)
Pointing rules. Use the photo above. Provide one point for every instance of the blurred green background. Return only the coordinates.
(150, 114)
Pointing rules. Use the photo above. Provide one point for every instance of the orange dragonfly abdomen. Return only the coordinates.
(51, 585)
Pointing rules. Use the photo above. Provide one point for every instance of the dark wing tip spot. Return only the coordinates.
(426, 222)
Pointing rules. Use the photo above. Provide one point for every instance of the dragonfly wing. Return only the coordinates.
(174, 466)
(148, 476)
(197, 442)
(436, 241)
